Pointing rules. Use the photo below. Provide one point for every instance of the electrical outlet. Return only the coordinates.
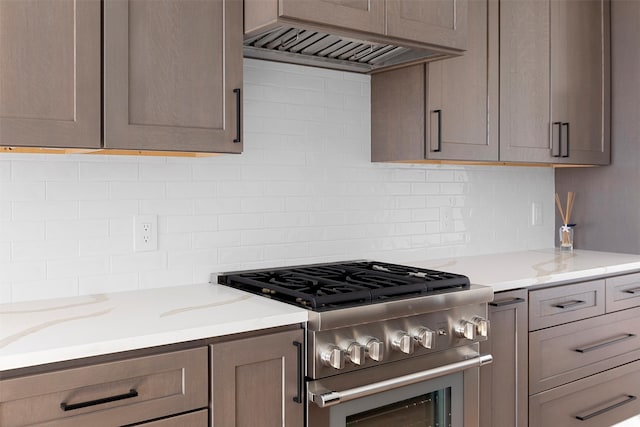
(446, 219)
(536, 214)
(145, 233)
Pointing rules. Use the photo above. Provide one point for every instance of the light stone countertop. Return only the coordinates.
(536, 267)
(47, 331)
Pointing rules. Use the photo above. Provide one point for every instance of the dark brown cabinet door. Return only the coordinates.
(255, 381)
(362, 15)
(50, 73)
(503, 384)
(554, 81)
(446, 110)
(439, 22)
(172, 75)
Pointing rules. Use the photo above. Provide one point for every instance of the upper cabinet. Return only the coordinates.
(442, 22)
(50, 73)
(544, 98)
(172, 74)
(171, 68)
(446, 110)
(362, 15)
(555, 81)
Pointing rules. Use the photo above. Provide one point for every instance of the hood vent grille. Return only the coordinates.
(307, 47)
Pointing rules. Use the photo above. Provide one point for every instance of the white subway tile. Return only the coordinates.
(25, 271)
(106, 246)
(22, 231)
(243, 254)
(109, 171)
(89, 285)
(191, 223)
(5, 170)
(19, 191)
(44, 289)
(191, 190)
(179, 260)
(45, 210)
(75, 267)
(263, 204)
(218, 205)
(166, 278)
(240, 221)
(106, 208)
(166, 207)
(136, 190)
(77, 190)
(176, 242)
(44, 250)
(76, 229)
(44, 171)
(165, 172)
(216, 239)
(216, 172)
(139, 262)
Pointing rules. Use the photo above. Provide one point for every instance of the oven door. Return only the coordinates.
(440, 389)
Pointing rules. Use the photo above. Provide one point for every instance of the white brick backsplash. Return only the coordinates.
(303, 191)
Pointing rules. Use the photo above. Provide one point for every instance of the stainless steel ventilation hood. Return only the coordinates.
(330, 50)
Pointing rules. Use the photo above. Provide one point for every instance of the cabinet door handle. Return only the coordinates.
(605, 344)
(632, 291)
(439, 146)
(504, 302)
(298, 396)
(238, 114)
(569, 304)
(559, 141)
(70, 407)
(628, 398)
(567, 139)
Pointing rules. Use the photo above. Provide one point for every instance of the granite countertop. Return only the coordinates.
(47, 331)
(536, 267)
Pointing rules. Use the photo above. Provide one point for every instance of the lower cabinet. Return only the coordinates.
(257, 381)
(503, 383)
(123, 392)
(193, 419)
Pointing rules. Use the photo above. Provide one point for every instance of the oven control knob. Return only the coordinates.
(425, 337)
(375, 349)
(356, 353)
(482, 326)
(333, 356)
(403, 342)
(466, 330)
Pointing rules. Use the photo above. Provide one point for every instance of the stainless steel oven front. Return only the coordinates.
(439, 389)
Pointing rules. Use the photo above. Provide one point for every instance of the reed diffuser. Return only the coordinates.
(566, 230)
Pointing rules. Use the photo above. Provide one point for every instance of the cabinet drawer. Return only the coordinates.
(623, 292)
(600, 400)
(192, 419)
(569, 352)
(114, 393)
(568, 303)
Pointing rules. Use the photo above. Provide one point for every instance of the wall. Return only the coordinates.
(607, 207)
(303, 191)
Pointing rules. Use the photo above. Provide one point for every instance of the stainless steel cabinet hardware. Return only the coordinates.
(629, 398)
(605, 344)
(569, 304)
(502, 303)
(71, 406)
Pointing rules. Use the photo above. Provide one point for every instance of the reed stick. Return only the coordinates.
(559, 205)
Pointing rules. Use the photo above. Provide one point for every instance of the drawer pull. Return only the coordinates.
(504, 302)
(569, 304)
(606, 343)
(629, 398)
(70, 407)
(633, 291)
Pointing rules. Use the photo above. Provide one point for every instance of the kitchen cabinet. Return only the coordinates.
(442, 23)
(584, 352)
(503, 383)
(258, 381)
(446, 110)
(555, 81)
(114, 393)
(172, 74)
(50, 73)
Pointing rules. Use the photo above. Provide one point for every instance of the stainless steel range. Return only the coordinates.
(386, 343)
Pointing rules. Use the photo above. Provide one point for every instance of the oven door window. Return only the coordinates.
(435, 403)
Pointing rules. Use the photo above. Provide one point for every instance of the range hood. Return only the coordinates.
(330, 50)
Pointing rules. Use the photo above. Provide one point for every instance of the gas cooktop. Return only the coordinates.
(332, 286)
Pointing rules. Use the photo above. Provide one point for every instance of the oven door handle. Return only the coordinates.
(330, 398)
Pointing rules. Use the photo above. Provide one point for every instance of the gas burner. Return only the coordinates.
(331, 286)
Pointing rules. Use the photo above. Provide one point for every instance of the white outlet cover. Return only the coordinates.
(145, 233)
